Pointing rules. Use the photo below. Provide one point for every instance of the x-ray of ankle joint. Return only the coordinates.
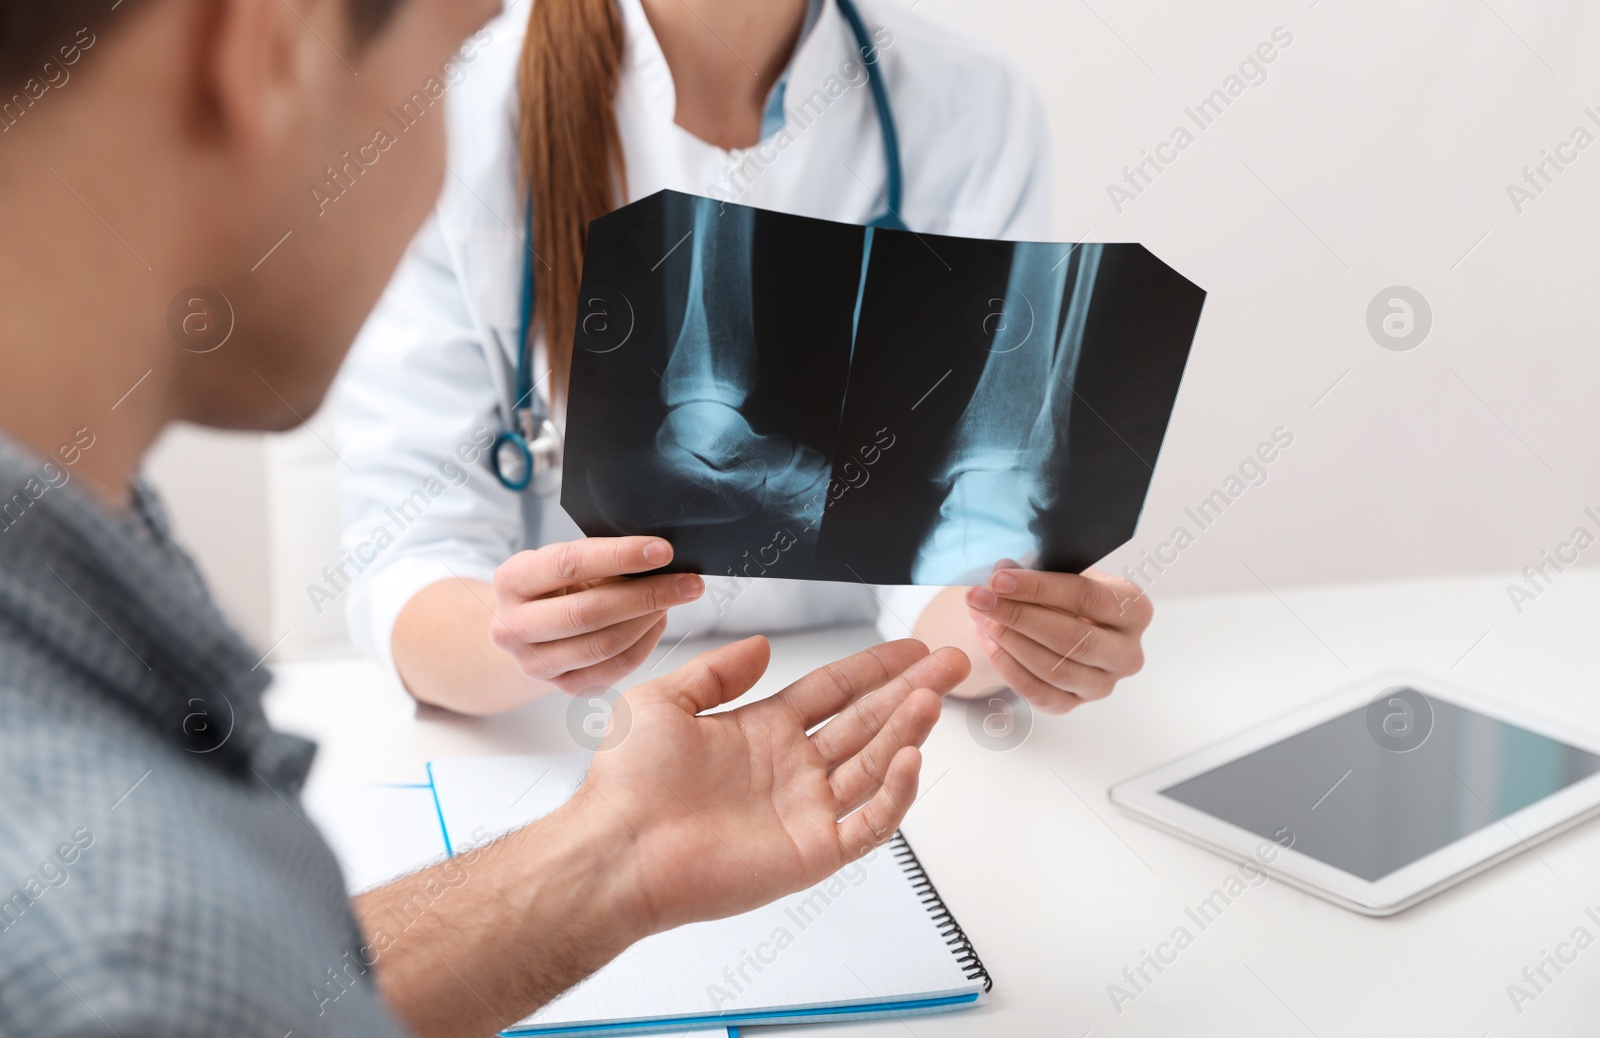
(997, 467)
(705, 439)
(705, 443)
(801, 398)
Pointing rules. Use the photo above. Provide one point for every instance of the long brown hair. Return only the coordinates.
(571, 153)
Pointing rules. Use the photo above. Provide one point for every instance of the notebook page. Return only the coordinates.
(862, 936)
(377, 832)
(482, 798)
(381, 832)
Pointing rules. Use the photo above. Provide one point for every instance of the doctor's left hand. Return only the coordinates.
(1059, 639)
(572, 616)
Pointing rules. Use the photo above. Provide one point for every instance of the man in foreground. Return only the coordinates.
(160, 259)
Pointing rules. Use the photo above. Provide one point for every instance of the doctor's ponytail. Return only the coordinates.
(571, 153)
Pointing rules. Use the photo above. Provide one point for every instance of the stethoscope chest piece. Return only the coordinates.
(529, 456)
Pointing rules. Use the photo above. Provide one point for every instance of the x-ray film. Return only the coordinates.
(781, 396)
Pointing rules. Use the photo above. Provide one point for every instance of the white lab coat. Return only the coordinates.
(430, 379)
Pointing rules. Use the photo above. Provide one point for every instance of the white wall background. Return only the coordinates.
(1377, 152)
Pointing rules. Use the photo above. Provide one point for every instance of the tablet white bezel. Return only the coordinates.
(1141, 797)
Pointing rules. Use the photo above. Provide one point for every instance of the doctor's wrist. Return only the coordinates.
(444, 658)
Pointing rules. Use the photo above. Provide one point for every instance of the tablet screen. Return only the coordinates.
(1385, 785)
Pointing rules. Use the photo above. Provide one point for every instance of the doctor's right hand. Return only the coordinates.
(572, 616)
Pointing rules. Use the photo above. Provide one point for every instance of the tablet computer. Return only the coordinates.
(1380, 795)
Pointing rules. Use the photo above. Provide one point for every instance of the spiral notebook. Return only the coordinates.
(874, 940)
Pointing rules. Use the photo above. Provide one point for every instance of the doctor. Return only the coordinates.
(471, 584)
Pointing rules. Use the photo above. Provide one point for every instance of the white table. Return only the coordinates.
(1059, 892)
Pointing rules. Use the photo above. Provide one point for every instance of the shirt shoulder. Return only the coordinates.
(144, 891)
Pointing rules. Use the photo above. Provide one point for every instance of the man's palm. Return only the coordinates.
(734, 809)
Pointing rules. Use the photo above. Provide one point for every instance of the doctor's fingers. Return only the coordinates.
(1110, 649)
(598, 607)
(1042, 697)
(1096, 596)
(616, 668)
(564, 661)
(1050, 668)
(530, 574)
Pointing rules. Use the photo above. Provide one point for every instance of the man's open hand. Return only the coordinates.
(728, 811)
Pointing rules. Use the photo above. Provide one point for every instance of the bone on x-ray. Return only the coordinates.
(788, 397)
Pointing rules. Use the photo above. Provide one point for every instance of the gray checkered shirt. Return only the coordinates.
(157, 875)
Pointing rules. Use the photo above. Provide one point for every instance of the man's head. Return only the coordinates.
(30, 30)
(246, 147)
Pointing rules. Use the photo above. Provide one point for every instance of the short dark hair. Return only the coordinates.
(35, 32)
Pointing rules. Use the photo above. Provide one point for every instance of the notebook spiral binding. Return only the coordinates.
(960, 946)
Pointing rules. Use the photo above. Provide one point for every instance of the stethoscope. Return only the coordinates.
(528, 454)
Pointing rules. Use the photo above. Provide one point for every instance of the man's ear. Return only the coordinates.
(263, 63)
